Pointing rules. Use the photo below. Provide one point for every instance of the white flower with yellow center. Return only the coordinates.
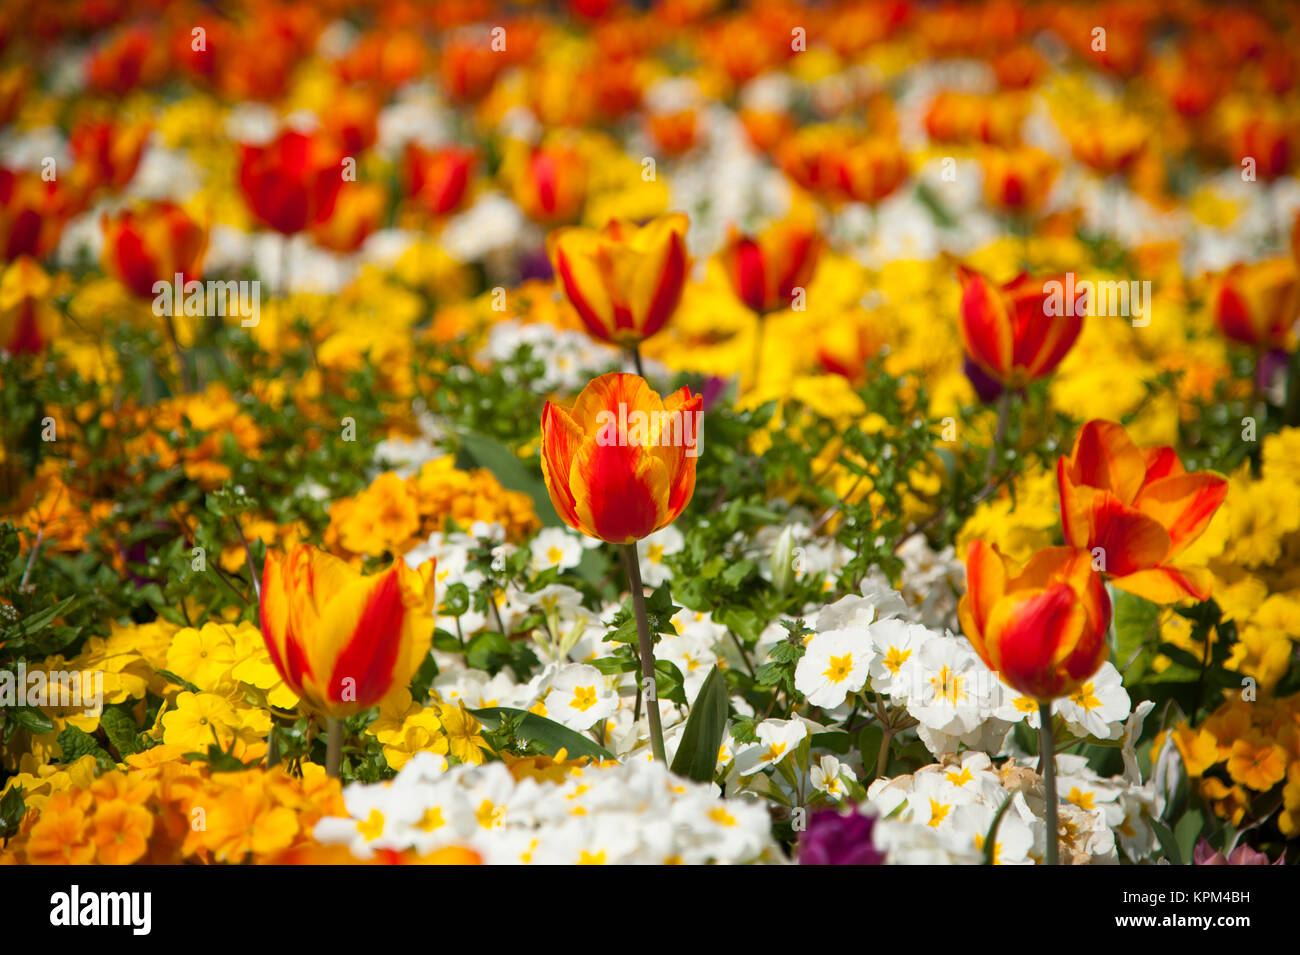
(895, 642)
(946, 687)
(834, 665)
(653, 549)
(1099, 707)
(831, 777)
(556, 547)
(577, 696)
(777, 741)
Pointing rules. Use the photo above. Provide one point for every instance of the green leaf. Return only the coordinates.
(12, 807)
(36, 621)
(179, 681)
(511, 472)
(549, 735)
(77, 743)
(121, 731)
(32, 719)
(991, 840)
(1187, 831)
(697, 754)
(1135, 635)
(1167, 842)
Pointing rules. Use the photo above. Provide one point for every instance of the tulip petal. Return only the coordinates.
(985, 326)
(362, 636)
(1167, 585)
(1183, 504)
(561, 439)
(1033, 634)
(1129, 540)
(1104, 457)
(621, 491)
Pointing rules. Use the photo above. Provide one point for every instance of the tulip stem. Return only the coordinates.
(1047, 766)
(995, 450)
(636, 360)
(758, 349)
(333, 746)
(646, 648)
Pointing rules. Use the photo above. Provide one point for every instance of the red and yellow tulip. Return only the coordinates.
(1257, 305)
(624, 281)
(292, 182)
(1017, 181)
(1007, 330)
(33, 213)
(342, 641)
(766, 270)
(152, 244)
(28, 322)
(439, 178)
(1043, 626)
(107, 154)
(620, 464)
(549, 182)
(1140, 508)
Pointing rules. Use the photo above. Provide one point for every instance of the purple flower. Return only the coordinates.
(985, 386)
(1205, 854)
(836, 838)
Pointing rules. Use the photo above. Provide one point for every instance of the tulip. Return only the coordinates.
(549, 182)
(872, 170)
(292, 182)
(1108, 147)
(109, 153)
(27, 321)
(353, 120)
(1137, 509)
(675, 132)
(624, 281)
(1017, 181)
(1042, 628)
(133, 57)
(1257, 305)
(152, 244)
(438, 179)
(619, 466)
(341, 641)
(767, 271)
(1267, 141)
(609, 478)
(32, 214)
(1007, 330)
(469, 69)
(357, 213)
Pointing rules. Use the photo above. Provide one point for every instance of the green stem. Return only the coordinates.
(333, 746)
(646, 647)
(758, 349)
(1047, 765)
(636, 360)
(1004, 411)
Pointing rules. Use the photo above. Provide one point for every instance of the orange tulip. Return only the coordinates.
(107, 153)
(1017, 181)
(438, 179)
(1110, 146)
(624, 281)
(871, 170)
(674, 132)
(1007, 330)
(620, 464)
(1041, 627)
(27, 320)
(292, 182)
(766, 270)
(549, 182)
(152, 244)
(1258, 304)
(1137, 509)
(1269, 142)
(341, 641)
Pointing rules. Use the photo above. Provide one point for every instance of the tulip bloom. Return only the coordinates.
(341, 641)
(27, 321)
(357, 213)
(1140, 507)
(549, 182)
(1257, 305)
(292, 182)
(872, 170)
(766, 270)
(1017, 181)
(620, 464)
(438, 179)
(1041, 627)
(32, 214)
(1007, 331)
(152, 244)
(624, 281)
(108, 153)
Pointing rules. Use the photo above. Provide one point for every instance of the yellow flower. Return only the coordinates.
(1257, 762)
(462, 732)
(195, 720)
(420, 732)
(203, 656)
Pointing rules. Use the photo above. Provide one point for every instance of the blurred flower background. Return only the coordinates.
(302, 312)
